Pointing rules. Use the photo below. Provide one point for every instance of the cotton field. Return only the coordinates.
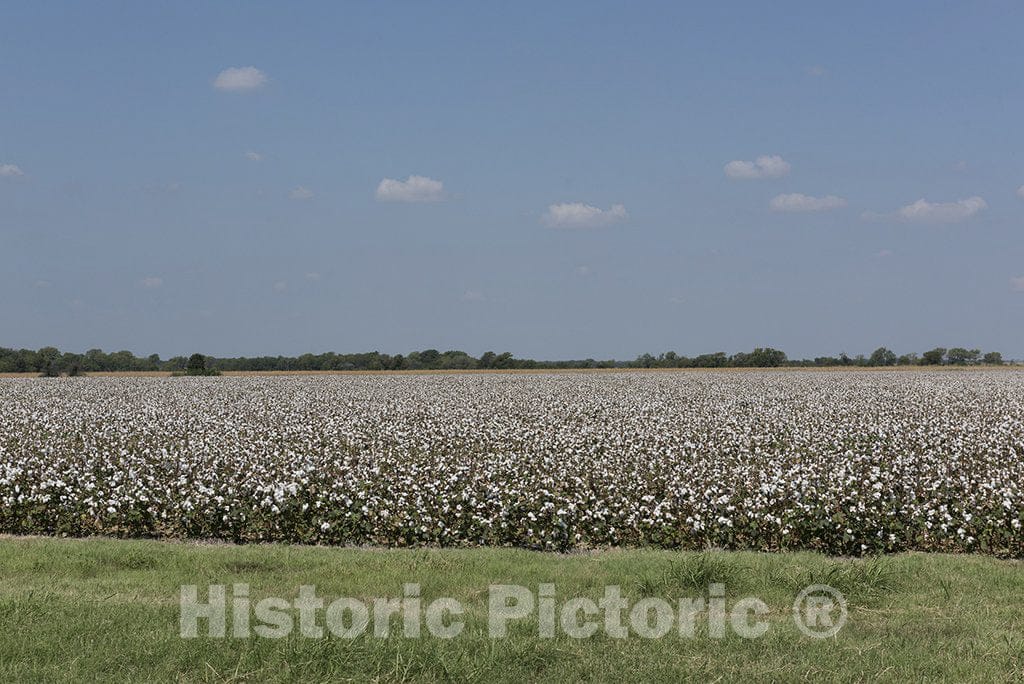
(842, 462)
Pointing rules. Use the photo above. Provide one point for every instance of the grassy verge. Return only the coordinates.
(109, 610)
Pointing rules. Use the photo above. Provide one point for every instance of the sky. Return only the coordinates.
(559, 180)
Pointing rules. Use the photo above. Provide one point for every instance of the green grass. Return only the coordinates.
(87, 610)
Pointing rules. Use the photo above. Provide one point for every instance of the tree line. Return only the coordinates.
(51, 361)
(767, 357)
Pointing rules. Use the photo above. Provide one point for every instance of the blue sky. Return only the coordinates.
(557, 181)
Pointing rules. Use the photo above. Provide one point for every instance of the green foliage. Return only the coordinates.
(49, 371)
(693, 572)
(959, 356)
(759, 358)
(197, 366)
(882, 357)
(50, 361)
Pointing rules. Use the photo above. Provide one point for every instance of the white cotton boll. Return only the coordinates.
(596, 458)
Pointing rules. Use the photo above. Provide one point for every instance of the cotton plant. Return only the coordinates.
(839, 462)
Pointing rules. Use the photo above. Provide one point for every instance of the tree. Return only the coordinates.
(123, 361)
(993, 359)
(48, 362)
(71, 364)
(429, 357)
(504, 360)
(95, 360)
(768, 357)
(196, 365)
(882, 357)
(962, 357)
(716, 360)
(933, 357)
(645, 361)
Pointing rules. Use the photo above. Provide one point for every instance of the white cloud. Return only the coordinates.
(884, 253)
(799, 202)
(582, 271)
(41, 284)
(1020, 192)
(1017, 283)
(580, 215)
(151, 282)
(300, 193)
(923, 211)
(280, 286)
(254, 156)
(240, 79)
(763, 167)
(817, 70)
(473, 296)
(312, 275)
(412, 189)
(10, 171)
